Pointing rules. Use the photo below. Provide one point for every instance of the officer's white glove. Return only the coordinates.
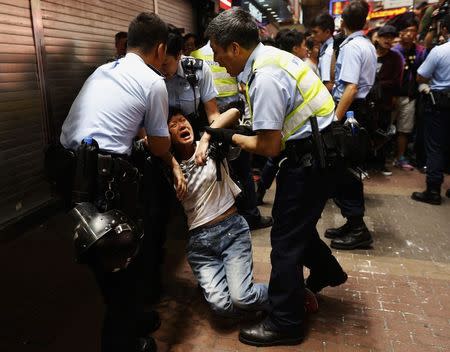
(424, 88)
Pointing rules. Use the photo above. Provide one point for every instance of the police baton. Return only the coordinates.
(318, 140)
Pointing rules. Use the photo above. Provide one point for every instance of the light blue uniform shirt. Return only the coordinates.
(274, 94)
(436, 67)
(325, 57)
(357, 64)
(114, 103)
(181, 94)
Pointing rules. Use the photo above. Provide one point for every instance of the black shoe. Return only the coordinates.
(338, 231)
(316, 282)
(447, 194)
(262, 222)
(146, 344)
(357, 237)
(148, 322)
(428, 196)
(261, 336)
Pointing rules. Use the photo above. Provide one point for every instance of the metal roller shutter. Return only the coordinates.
(22, 185)
(79, 36)
(178, 13)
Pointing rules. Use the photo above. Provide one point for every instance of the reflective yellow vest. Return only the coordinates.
(316, 98)
(224, 83)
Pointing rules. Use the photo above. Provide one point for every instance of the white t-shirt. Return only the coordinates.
(206, 197)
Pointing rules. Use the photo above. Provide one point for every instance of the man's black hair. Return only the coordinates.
(191, 35)
(324, 21)
(174, 44)
(310, 43)
(120, 35)
(174, 111)
(234, 25)
(288, 40)
(146, 31)
(355, 14)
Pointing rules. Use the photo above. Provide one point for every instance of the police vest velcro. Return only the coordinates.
(317, 101)
(224, 83)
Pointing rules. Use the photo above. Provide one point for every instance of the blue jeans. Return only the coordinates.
(220, 256)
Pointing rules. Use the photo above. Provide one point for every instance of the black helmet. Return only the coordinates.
(108, 240)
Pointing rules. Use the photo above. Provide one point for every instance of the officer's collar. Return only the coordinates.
(136, 57)
(351, 36)
(247, 72)
(329, 41)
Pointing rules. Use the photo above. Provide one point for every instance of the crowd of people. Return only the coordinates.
(170, 120)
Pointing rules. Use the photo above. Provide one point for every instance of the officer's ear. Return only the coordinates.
(161, 51)
(235, 48)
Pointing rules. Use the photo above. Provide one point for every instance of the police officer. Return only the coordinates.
(356, 67)
(283, 93)
(212, 86)
(322, 33)
(114, 103)
(435, 71)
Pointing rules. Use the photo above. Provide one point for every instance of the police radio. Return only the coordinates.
(190, 66)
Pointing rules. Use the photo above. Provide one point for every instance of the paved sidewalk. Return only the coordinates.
(397, 297)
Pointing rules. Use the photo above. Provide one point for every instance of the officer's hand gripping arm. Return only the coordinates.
(227, 118)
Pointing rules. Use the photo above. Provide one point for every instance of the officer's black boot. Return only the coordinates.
(357, 235)
(430, 196)
(338, 231)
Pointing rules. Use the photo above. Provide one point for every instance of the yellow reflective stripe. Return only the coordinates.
(223, 76)
(227, 89)
(316, 98)
(302, 113)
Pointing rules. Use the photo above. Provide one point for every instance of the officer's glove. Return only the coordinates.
(245, 130)
(424, 88)
(224, 135)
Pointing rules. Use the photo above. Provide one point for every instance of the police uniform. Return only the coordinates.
(325, 58)
(357, 64)
(183, 96)
(436, 67)
(283, 92)
(114, 103)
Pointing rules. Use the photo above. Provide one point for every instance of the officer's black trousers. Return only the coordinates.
(128, 293)
(349, 192)
(300, 198)
(437, 142)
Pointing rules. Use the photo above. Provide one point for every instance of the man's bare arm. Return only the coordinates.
(346, 100)
(266, 142)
